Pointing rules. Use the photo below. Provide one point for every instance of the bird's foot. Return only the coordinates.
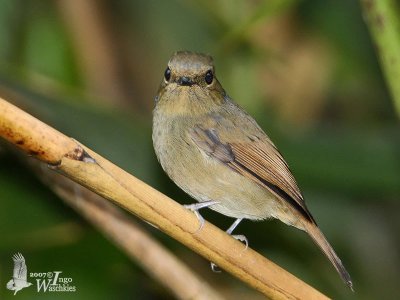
(195, 208)
(242, 238)
(215, 268)
(239, 237)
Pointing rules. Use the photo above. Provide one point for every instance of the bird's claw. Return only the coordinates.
(201, 221)
(242, 238)
(215, 268)
(196, 207)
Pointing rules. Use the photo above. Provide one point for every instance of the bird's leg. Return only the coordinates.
(239, 237)
(195, 208)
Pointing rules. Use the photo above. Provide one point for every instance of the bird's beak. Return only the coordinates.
(185, 81)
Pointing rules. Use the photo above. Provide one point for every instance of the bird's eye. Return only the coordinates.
(209, 77)
(167, 74)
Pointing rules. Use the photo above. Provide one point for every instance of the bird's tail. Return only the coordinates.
(318, 237)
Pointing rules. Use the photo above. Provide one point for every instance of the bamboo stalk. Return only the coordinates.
(126, 234)
(383, 20)
(104, 178)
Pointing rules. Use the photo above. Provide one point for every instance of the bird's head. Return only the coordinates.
(189, 84)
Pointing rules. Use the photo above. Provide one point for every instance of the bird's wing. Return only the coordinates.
(257, 159)
(20, 270)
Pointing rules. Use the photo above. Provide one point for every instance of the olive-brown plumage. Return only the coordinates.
(215, 151)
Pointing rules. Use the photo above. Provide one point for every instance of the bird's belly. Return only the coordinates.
(241, 198)
(205, 179)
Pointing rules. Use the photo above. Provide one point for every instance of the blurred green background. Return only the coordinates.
(306, 70)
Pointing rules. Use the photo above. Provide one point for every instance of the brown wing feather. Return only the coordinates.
(258, 160)
(263, 163)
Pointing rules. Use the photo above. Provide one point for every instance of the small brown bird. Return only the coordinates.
(217, 153)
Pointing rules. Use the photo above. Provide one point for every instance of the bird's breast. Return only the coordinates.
(205, 178)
